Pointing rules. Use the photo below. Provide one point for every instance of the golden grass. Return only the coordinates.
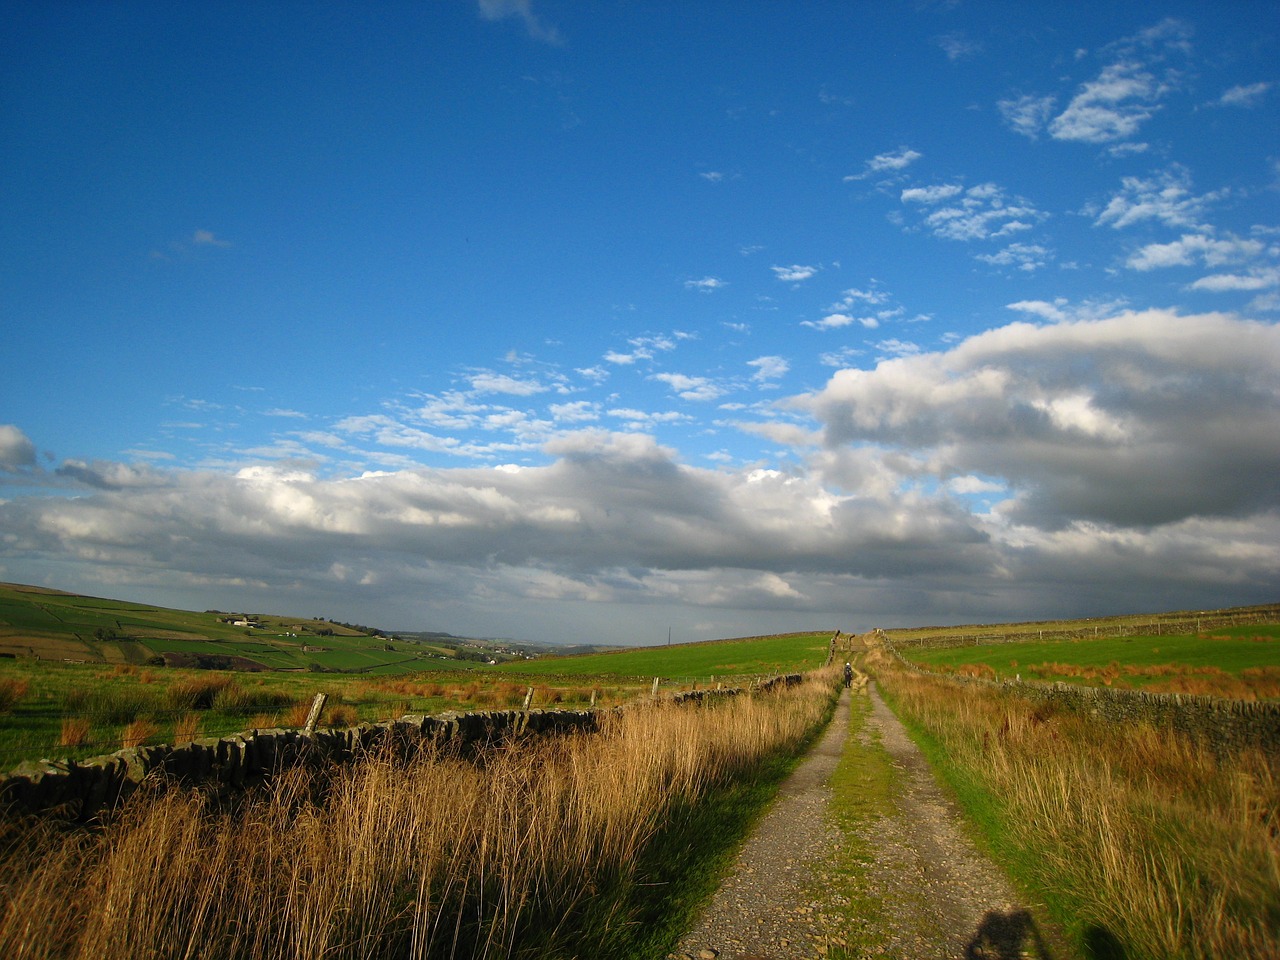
(508, 855)
(13, 690)
(75, 731)
(1132, 830)
(138, 732)
(186, 729)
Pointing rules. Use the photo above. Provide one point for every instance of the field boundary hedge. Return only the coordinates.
(78, 789)
(1226, 725)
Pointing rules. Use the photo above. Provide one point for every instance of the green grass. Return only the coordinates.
(755, 656)
(1231, 650)
(862, 791)
(49, 625)
(109, 697)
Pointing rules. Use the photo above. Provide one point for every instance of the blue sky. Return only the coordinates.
(582, 321)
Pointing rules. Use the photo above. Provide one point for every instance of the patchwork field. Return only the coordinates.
(1240, 662)
(83, 676)
(42, 624)
(783, 653)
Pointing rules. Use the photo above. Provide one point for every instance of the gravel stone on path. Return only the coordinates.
(940, 896)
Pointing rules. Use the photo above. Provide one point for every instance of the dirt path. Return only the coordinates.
(924, 890)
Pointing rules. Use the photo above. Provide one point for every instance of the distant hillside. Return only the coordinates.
(48, 624)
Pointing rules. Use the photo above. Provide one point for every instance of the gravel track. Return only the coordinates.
(938, 896)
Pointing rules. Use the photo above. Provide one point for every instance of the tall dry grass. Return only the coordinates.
(1134, 831)
(525, 851)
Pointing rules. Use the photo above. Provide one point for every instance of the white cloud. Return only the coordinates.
(958, 46)
(691, 388)
(1127, 92)
(489, 382)
(930, 195)
(1262, 278)
(835, 321)
(1027, 114)
(900, 159)
(1021, 256)
(17, 452)
(974, 485)
(1112, 107)
(1195, 248)
(1124, 420)
(794, 273)
(982, 212)
(1164, 197)
(576, 412)
(521, 10)
(206, 238)
(643, 348)
(844, 357)
(1248, 95)
(713, 176)
(705, 285)
(768, 368)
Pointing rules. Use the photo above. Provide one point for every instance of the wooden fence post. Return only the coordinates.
(654, 692)
(313, 718)
(528, 698)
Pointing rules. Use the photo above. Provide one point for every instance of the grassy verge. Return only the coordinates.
(862, 790)
(1140, 843)
(568, 847)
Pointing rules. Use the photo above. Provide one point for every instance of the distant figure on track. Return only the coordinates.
(848, 675)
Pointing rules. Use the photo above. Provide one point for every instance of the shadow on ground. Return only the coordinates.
(1007, 936)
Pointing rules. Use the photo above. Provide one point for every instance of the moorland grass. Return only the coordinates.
(571, 846)
(1137, 839)
(1239, 663)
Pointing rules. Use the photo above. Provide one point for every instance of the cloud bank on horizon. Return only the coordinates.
(520, 320)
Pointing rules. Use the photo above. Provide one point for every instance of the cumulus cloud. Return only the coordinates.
(17, 452)
(1126, 420)
(1071, 458)
(1112, 107)
(1127, 91)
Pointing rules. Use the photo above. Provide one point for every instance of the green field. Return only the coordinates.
(1227, 662)
(50, 625)
(754, 656)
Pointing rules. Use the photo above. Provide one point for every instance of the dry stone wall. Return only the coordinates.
(80, 789)
(1226, 725)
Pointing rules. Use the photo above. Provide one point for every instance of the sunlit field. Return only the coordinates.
(1145, 844)
(1241, 663)
(548, 850)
